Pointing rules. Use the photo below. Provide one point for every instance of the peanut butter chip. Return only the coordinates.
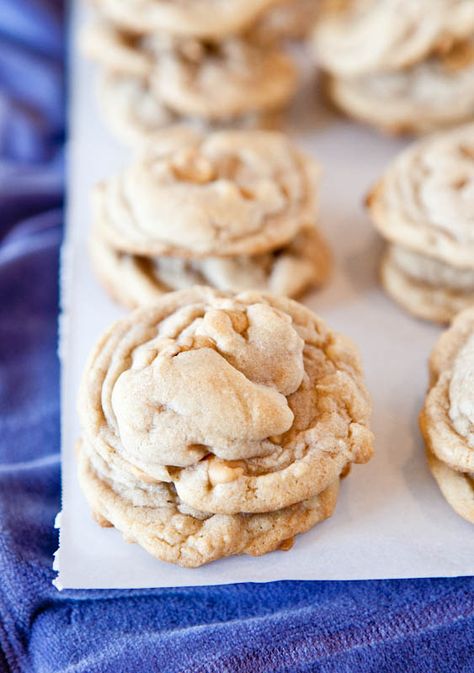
(346, 471)
(276, 439)
(190, 167)
(286, 545)
(203, 342)
(461, 56)
(225, 471)
(239, 320)
(101, 520)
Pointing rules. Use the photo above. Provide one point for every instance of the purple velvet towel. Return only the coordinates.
(423, 626)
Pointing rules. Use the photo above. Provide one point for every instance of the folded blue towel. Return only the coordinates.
(421, 626)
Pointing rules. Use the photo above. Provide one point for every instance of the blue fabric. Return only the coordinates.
(423, 626)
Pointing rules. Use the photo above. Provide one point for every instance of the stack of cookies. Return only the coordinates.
(424, 208)
(217, 424)
(217, 62)
(447, 420)
(401, 65)
(234, 210)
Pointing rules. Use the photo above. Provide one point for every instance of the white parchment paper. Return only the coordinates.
(391, 520)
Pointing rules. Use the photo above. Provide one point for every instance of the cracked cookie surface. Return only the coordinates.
(226, 194)
(245, 403)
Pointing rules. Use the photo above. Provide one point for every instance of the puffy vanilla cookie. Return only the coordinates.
(135, 280)
(234, 209)
(243, 403)
(225, 80)
(432, 94)
(195, 18)
(424, 207)
(224, 194)
(153, 516)
(447, 419)
(214, 81)
(367, 37)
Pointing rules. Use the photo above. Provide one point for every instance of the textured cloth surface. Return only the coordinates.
(422, 626)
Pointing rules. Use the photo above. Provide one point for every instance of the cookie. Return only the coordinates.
(195, 18)
(447, 419)
(425, 199)
(368, 37)
(226, 80)
(246, 403)
(416, 100)
(135, 280)
(239, 64)
(192, 78)
(448, 414)
(155, 518)
(423, 207)
(225, 194)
